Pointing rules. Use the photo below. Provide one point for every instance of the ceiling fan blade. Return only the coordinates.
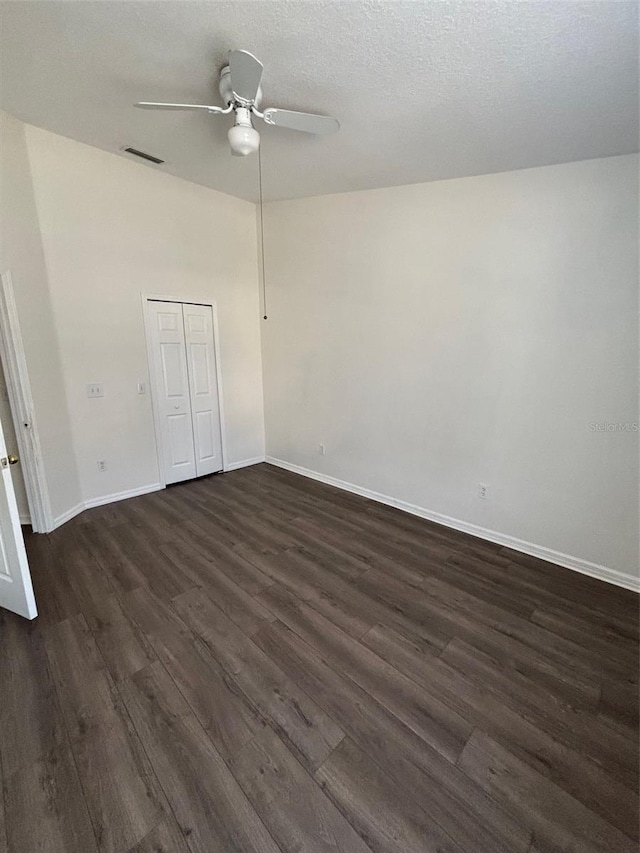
(305, 122)
(246, 73)
(148, 105)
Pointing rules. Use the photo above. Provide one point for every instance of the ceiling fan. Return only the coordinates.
(241, 92)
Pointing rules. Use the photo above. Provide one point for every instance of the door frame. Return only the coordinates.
(22, 409)
(210, 303)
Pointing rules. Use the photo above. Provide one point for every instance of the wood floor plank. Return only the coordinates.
(46, 808)
(311, 492)
(563, 679)
(557, 819)
(107, 515)
(220, 708)
(437, 723)
(123, 647)
(526, 583)
(476, 584)
(619, 705)
(166, 837)
(228, 560)
(578, 775)
(31, 724)
(475, 821)
(215, 521)
(85, 688)
(162, 576)
(259, 533)
(54, 593)
(332, 560)
(289, 801)
(3, 825)
(122, 793)
(583, 732)
(355, 537)
(567, 653)
(241, 497)
(148, 517)
(298, 720)
(120, 789)
(115, 559)
(422, 527)
(385, 819)
(603, 639)
(431, 548)
(92, 589)
(325, 590)
(583, 588)
(213, 812)
(241, 607)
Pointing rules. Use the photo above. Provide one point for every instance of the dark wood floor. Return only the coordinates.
(256, 662)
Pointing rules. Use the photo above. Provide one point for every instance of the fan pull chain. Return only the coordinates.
(264, 281)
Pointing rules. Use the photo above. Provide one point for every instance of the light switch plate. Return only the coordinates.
(95, 389)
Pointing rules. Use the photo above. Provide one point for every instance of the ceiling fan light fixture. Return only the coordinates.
(243, 137)
(243, 140)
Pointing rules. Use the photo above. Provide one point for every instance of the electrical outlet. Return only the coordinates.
(483, 492)
(321, 449)
(102, 465)
(95, 389)
(142, 387)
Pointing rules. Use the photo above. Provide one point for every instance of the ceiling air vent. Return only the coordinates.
(143, 155)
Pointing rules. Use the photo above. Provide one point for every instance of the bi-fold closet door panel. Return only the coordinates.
(203, 387)
(186, 388)
(173, 399)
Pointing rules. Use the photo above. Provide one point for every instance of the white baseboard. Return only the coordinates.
(566, 560)
(61, 519)
(25, 518)
(122, 496)
(101, 501)
(244, 463)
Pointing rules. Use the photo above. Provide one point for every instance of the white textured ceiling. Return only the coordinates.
(423, 90)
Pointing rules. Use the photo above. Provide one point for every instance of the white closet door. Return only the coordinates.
(203, 383)
(172, 391)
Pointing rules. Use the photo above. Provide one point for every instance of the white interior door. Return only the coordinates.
(203, 385)
(169, 369)
(16, 591)
(11, 442)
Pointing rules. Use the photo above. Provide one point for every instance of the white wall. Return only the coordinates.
(21, 253)
(112, 229)
(442, 335)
